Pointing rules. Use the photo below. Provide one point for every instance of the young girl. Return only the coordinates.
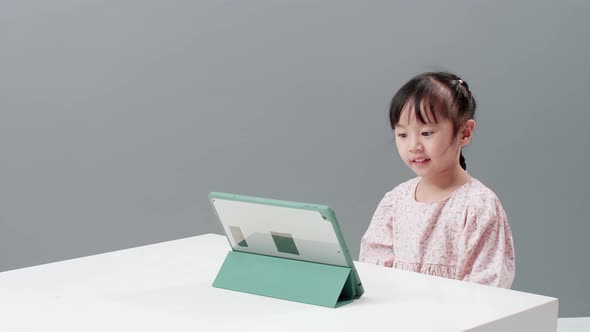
(443, 222)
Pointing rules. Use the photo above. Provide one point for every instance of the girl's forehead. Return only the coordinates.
(408, 115)
(408, 118)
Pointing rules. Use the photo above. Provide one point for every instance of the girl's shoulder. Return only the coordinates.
(480, 191)
(481, 197)
(401, 191)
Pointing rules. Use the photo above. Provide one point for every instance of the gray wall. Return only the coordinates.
(118, 117)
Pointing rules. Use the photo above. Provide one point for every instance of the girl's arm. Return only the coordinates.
(377, 243)
(486, 249)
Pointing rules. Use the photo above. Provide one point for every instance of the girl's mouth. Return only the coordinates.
(421, 161)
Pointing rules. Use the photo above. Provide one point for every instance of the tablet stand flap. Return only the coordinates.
(284, 278)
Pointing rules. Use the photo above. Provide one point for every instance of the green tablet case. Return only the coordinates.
(289, 279)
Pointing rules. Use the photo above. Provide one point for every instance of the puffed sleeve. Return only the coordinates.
(377, 243)
(486, 249)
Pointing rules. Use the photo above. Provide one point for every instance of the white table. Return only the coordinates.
(167, 287)
(575, 324)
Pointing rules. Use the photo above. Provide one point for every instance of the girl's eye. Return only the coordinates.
(427, 133)
(402, 135)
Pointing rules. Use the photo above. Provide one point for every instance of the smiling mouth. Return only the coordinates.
(421, 161)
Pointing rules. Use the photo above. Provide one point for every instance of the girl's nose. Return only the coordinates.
(416, 146)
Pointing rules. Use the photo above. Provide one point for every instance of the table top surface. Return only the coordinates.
(575, 324)
(167, 286)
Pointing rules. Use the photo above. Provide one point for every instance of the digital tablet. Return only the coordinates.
(292, 230)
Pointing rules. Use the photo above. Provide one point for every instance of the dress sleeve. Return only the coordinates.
(486, 249)
(377, 243)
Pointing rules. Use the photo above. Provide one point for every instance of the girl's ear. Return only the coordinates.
(467, 132)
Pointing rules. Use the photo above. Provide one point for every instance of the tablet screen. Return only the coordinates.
(280, 231)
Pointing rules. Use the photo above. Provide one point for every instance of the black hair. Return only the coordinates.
(435, 94)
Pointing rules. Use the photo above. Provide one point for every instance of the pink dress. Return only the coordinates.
(465, 236)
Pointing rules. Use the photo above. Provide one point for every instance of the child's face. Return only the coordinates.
(429, 149)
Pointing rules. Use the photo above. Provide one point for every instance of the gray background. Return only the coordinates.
(118, 117)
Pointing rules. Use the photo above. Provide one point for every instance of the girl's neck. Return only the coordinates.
(439, 187)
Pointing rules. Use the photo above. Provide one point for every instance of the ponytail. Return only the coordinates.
(462, 161)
